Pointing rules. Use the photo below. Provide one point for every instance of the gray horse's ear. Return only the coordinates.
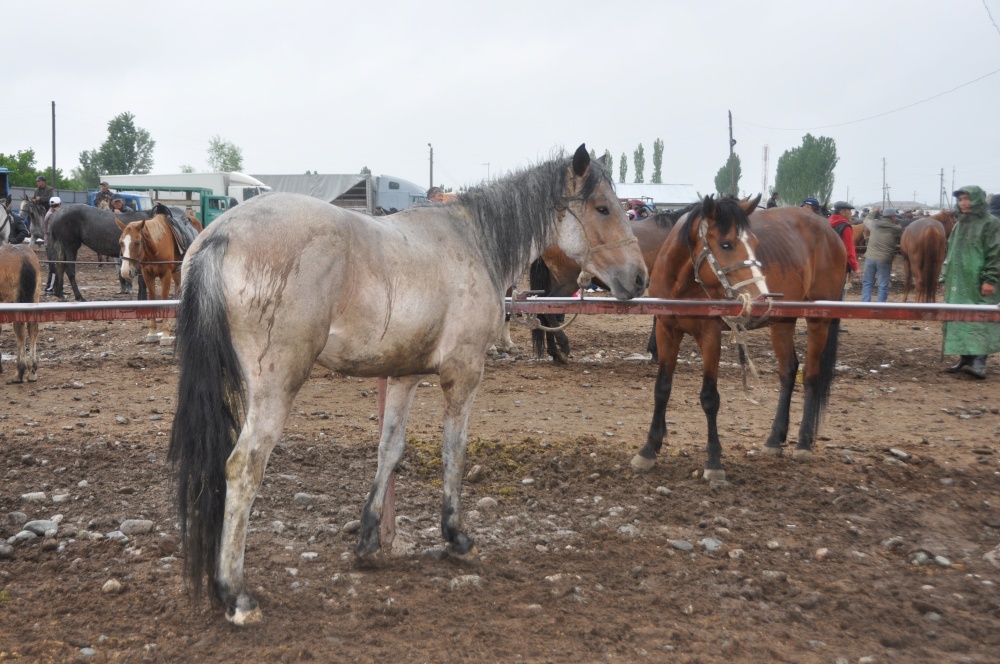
(581, 161)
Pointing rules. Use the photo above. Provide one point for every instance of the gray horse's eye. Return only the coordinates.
(603, 209)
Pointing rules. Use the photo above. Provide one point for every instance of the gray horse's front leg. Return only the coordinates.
(398, 399)
(460, 382)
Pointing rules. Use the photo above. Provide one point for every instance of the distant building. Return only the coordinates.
(663, 196)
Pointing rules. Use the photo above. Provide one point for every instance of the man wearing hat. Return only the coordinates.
(972, 276)
(883, 242)
(118, 204)
(103, 195)
(772, 201)
(55, 204)
(43, 192)
(840, 220)
(811, 204)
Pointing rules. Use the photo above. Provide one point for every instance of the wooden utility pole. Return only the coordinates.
(432, 166)
(732, 163)
(54, 183)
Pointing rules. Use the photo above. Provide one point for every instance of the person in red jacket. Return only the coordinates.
(840, 220)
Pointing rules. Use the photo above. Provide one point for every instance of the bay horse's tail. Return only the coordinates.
(210, 408)
(27, 283)
(930, 269)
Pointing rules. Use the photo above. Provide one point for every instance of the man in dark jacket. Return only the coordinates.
(18, 229)
(43, 192)
(773, 200)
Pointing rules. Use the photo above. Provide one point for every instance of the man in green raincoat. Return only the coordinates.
(972, 276)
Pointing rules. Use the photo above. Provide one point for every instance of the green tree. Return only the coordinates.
(89, 170)
(639, 158)
(128, 149)
(593, 154)
(365, 170)
(609, 161)
(21, 167)
(807, 170)
(657, 177)
(224, 156)
(187, 168)
(623, 169)
(727, 183)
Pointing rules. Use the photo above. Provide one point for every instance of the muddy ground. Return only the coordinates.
(865, 552)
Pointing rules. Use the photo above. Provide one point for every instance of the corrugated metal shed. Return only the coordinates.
(663, 195)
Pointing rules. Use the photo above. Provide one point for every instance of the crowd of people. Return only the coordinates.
(971, 272)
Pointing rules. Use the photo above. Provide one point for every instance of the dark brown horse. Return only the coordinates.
(557, 275)
(21, 282)
(924, 245)
(718, 252)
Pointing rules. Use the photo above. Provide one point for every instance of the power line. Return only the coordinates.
(878, 115)
(990, 14)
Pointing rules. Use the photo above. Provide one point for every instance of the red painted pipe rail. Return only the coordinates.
(135, 310)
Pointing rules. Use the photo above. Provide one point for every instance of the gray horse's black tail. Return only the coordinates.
(210, 409)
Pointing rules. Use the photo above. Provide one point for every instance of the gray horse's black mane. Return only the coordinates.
(515, 212)
(725, 212)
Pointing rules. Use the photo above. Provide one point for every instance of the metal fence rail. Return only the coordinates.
(133, 310)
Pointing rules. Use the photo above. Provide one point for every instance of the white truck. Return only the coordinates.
(234, 185)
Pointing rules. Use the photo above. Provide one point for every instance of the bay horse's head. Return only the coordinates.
(723, 250)
(594, 231)
(132, 246)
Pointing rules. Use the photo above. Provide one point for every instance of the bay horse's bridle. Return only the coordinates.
(732, 290)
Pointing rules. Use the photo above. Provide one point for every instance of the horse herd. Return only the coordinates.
(420, 292)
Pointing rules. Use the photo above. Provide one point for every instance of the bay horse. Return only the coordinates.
(777, 251)
(420, 292)
(557, 275)
(924, 245)
(21, 282)
(150, 247)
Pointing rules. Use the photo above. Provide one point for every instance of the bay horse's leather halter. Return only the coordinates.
(732, 290)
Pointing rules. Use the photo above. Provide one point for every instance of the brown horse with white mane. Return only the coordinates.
(924, 245)
(717, 252)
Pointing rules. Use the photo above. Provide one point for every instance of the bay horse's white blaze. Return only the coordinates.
(402, 296)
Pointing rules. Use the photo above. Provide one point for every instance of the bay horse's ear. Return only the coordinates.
(119, 222)
(708, 207)
(750, 204)
(581, 161)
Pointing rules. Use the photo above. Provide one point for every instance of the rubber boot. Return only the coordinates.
(50, 287)
(978, 367)
(965, 361)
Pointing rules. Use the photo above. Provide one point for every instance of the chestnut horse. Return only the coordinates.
(781, 251)
(420, 292)
(924, 245)
(21, 282)
(151, 245)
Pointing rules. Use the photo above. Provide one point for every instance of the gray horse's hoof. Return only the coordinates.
(241, 617)
(802, 455)
(641, 464)
(712, 475)
(151, 339)
(773, 451)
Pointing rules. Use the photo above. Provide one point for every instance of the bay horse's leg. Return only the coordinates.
(816, 380)
(710, 342)
(166, 278)
(460, 378)
(19, 339)
(32, 361)
(668, 340)
(149, 278)
(783, 342)
(909, 273)
(399, 394)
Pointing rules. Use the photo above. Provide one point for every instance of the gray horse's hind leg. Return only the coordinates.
(398, 399)
(460, 381)
(265, 419)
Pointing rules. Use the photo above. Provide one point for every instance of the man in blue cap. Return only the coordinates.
(811, 204)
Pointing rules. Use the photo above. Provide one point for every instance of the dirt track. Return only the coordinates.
(580, 557)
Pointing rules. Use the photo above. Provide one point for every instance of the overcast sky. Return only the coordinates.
(334, 86)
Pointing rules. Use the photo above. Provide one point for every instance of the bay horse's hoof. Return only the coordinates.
(641, 464)
(713, 475)
(802, 455)
(773, 451)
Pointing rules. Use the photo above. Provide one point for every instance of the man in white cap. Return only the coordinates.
(55, 204)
